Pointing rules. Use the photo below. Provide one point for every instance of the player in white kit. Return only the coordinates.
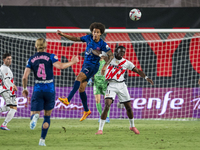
(7, 90)
(116, 86)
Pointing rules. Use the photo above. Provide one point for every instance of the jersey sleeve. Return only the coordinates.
(5, 73)
(130, 65)
(84, 38)
(29, 63)
(105, 47)
(53, 58)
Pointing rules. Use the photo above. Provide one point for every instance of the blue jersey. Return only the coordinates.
(90, 58)
(42, 66)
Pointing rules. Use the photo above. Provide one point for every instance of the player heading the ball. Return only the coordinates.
(91, 63)
(43, 97)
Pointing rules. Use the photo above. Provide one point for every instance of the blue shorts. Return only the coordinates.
(89, 70)
(42, 101)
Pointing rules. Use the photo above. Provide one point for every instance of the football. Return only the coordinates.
(135, 14)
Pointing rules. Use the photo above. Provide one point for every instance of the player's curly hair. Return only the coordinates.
(97, 25)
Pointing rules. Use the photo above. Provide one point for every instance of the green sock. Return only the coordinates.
(108, 115)
(98, 105)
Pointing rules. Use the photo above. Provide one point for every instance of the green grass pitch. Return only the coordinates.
(154, 135)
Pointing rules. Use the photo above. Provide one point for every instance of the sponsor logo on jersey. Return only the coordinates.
(86, 70)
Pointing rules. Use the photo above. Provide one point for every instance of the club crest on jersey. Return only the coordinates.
(98, 48)
(107, 47)
(6, 74)
(56, 57)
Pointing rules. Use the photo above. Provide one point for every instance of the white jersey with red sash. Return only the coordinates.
(117, 68)
(5, 75)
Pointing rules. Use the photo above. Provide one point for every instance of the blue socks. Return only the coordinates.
(83, 97)
(32, 117)
(75, 88)
(44, 131)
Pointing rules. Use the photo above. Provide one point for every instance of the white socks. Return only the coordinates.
(4, 108)
(9, 116)
(101, 124)
(132, 122)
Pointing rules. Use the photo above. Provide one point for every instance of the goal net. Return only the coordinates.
(169, 57)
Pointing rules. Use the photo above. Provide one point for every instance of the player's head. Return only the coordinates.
(97, 30)
(41, 45)
(120, 52)
(7, 59)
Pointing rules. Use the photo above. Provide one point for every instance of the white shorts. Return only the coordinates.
(9, 98)
(118, 88)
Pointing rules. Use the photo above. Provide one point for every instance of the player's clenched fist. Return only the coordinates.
(75, 59)
(59, 33)
(25, 93)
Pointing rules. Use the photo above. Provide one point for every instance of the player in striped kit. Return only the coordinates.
(115, 77)
(7, 90)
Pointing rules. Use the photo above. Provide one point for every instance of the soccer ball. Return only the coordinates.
(135, 14)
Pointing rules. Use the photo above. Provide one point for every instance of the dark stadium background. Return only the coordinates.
(82, 17)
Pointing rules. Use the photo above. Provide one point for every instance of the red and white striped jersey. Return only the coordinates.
(117, 68)
(6, 73)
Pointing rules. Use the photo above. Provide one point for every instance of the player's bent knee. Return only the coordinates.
(13, 107)
(45, 125)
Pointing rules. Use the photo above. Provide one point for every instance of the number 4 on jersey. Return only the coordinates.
(41, 72)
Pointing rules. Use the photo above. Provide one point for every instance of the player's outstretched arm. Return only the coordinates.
(70, 37)
(142, 74)
(60, 65)
(110, 57)
(27, 71)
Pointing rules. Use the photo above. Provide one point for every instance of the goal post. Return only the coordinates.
(170, 57)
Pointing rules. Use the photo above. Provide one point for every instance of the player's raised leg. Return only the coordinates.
(131, 118)
(108, 102)
(37, 105)
(10, 106)
(66, 100)
(34, 118)
(10, 115)
(83, 97)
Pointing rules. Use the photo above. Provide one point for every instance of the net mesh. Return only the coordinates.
(169, 59)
